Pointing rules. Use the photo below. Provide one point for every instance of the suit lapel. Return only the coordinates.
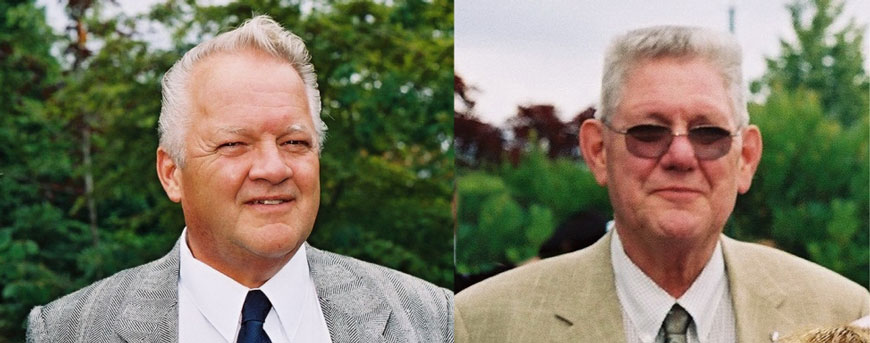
(756, 296)
(353, 310)
(585, 298)
(150, 312)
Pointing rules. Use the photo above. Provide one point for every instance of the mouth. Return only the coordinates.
(270, 201)
(677, 193)
(678, 189)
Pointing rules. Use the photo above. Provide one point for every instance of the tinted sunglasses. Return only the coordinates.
(652, 141)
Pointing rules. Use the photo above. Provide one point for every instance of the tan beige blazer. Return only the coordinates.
(572, 298)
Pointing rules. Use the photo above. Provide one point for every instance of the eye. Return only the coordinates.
(230, 145)
(297, 144)
(708, 134)
(649, 133)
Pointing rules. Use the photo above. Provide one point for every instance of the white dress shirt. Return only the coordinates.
(645, 305)
(210, 303)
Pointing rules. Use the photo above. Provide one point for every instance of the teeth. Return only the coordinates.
(270, 202)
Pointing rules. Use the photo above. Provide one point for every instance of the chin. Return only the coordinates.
(272, 249)
(680, 226)
(275, 240)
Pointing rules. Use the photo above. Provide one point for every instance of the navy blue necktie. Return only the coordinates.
(254, 313)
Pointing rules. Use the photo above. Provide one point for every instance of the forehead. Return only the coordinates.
(671, 89)
(248, 86)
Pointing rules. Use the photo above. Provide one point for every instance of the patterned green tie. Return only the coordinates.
(676, 324)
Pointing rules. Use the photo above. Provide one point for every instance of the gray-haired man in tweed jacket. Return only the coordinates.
(240, 141)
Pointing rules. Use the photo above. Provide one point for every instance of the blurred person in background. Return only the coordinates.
(673, 145)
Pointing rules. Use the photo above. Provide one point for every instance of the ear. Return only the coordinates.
(592, 146)
(169, 174)
(750, 156)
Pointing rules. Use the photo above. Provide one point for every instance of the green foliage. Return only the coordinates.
(33, 169)
(810, 191)
(505, 215)
(825, 58)
(386, 170)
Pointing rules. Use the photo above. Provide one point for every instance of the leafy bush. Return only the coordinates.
(506, 214)
(810, 194)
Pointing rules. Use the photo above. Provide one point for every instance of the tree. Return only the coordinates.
(539, 124)
(506, 214)
(508, 209)
(809, 195)
(475, 142)
(824, 58)
(33, 167)
(386, 170)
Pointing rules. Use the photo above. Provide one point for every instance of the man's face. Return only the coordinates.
(676, 195)
(250, 187)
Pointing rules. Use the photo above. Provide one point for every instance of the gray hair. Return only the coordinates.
(260, 32)
(629, 50)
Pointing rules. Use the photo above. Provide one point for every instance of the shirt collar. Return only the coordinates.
(220, 298)
(289, 291)
(705, 295)
(647, 304)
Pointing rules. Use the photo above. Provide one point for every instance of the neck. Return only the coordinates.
(245, 268)
(671, 263)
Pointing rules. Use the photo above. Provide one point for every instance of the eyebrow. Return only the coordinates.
(654, 116)
(232, 130)
(702, 117)
(245, 132)
(296, 128)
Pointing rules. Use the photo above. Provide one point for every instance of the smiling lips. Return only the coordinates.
(276, 200)
(269, 202)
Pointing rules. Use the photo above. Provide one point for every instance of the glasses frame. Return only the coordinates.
(696, 147)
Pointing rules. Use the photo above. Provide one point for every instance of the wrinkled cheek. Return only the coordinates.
(625, 198)
(629, 180)
(724, 205)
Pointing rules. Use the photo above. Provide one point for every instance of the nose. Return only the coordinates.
(680, 155)
(269, 165)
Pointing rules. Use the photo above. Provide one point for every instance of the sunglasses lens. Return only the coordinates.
(710, 143)
(652, 141)
(649, 133)
(708, 135)
(648, 141)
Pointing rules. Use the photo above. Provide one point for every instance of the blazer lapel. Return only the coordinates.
(756, 296)
(150, 312)
(585, 298)
(353, 310)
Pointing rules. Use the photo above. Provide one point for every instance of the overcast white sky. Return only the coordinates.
(535, 52)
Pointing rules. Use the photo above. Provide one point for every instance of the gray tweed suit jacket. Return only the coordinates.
(361, 302)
